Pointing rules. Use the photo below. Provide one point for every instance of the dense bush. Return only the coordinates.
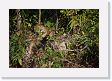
(54, 38)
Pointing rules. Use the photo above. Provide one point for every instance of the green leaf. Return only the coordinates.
(29, 24)
(20, 61)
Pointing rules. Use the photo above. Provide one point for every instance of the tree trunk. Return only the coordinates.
(39, 21)
(56, 21)
(18, 19)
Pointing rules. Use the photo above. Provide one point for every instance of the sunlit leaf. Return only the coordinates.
(20, 61)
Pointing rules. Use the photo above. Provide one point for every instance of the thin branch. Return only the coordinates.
(39, 21)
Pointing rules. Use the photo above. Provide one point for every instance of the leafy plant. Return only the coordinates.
(78, 29)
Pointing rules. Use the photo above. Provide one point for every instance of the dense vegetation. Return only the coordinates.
(54, 38)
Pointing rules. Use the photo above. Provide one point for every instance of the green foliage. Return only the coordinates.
(79, 29)
(48, 23)
(17, 50)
